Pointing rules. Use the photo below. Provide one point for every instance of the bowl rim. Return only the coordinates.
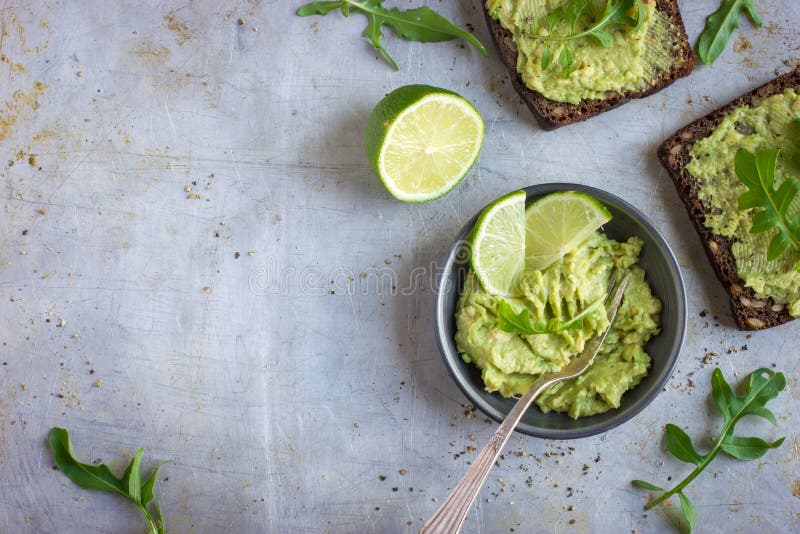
(451, 357)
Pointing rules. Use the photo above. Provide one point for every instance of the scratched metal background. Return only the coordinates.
(186, 215)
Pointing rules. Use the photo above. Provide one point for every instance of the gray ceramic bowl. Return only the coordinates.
(665, 279)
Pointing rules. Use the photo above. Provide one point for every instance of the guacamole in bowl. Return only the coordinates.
(510, 362)
(491, 366)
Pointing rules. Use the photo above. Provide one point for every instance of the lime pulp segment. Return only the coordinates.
(498, 244)
(558, 223)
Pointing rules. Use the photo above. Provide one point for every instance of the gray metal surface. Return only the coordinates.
(146, 144)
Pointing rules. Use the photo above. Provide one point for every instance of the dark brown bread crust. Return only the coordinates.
(749, 312)
(551, 114)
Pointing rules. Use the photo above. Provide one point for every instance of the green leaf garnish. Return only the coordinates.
(688, 510)
(646, 485)
(567, 61)
(615, 14)
(547, 57)
(100, 477)
(679, 444)
(757, 172)
(522, 323)
(518, 323)
(748, 448)
(720, 26)
(421, 24)
(761, 386)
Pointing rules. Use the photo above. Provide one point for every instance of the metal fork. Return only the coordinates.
(450, 517)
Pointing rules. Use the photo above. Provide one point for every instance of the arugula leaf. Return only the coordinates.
(757, 172)
(614, 14)
(647, 485)
(688, 509)
(517, 323)
(680, 445)
(147, 489)
(761, 386)
(720, 26)
(572, 12)
(567, 61)
(99, 477)
(96, 477)
(722, 393)
(132, 478)
(323, 8)
(547, 57)
(568, 13)
(420, 24)
(748, 448)
(521, 323)
(553, 19)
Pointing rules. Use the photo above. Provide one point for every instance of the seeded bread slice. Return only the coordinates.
(551, 114)
(749, 312)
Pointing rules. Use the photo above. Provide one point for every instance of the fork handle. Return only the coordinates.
(450, 516)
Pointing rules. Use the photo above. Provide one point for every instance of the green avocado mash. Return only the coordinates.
(632, 62)
(763, 126)
(511, 362)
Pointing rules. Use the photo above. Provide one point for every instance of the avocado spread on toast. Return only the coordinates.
(631, 63)
(764, 125)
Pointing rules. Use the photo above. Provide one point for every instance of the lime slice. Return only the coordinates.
(498, 244)
(421, 141)
(557, 224)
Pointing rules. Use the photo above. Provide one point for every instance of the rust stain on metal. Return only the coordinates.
(45, 135)
(181, 30)
(11, 109)
(152, 59)
(146, 49)
(750, 63)
(11, 22)
(741, 45)
(772, 29)
(15, 68)
(7, 422)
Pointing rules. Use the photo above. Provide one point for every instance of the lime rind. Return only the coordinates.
(498, 244)
(558, 223)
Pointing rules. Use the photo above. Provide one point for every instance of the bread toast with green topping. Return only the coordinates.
(749, 311)
(551, 114)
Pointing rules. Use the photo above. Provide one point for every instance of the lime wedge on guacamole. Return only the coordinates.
(498, 244)
(421, 141)
(558, 223)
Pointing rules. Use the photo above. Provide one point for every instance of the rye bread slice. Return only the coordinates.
(749, 312)
(551, 114)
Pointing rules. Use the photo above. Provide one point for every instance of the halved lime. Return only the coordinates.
(558, 223)
(421, 141)
(498, 244)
